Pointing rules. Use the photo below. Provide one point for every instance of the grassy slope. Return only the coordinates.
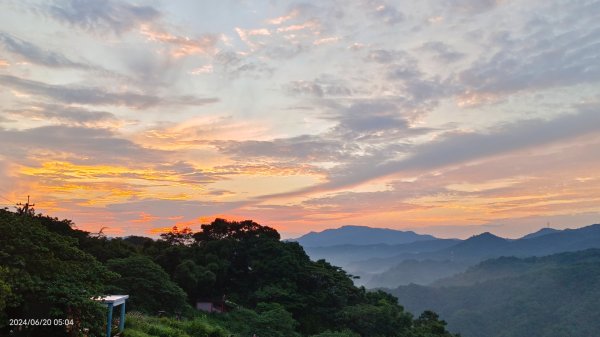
(144, 326)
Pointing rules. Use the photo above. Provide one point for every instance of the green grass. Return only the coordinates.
(138, 325)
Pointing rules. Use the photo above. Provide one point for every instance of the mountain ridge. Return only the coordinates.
(359, 235)
(389, 271)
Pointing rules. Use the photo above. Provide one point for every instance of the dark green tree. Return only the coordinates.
(45, 275)
(429, 324)
(268, 320)
(149, 287)
(195, 280)
(178, 236)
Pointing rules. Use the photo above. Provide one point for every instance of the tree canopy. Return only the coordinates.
(275, 290)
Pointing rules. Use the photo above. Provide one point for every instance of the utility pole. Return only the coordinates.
(26, 209)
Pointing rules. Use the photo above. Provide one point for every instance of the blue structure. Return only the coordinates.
(112, 301)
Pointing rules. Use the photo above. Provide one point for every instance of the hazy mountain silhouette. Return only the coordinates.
(478, 247)
(543, 231)
(415, 271)
(359, 235)
(465, 253)
(343, 255)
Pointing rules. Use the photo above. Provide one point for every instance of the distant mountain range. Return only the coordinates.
(345, 255)
(548, 296)
(359, 235)
(368, 253)
(541, 232)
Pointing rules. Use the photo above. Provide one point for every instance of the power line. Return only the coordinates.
(2, 189)
(7, 199)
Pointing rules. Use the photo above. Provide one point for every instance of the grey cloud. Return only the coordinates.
(387, 13)
(3, 119)
(373, 123)
(472, 6)
(420, 89)
(363, 128)
(352, 202)
(101, 16)
(285, 51)
(89, 145)
(305, 88)
(386, 56)
(252, 69)
(458, 148)
(412, 84)
(37, 55)
(228, 58)
(219, 192)
(537, 61)
(97, 96)
(34, 54)
(149, 69)
(235, 66)
(168, 208)
(257, 166)
(369, 116)
(65, 114)
(187, 173)
(318, 88)
(305, 147)
(443, 51)
(404, 72)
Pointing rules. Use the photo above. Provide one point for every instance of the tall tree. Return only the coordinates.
(45, 275)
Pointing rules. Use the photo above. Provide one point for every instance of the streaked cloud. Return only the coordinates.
(182, 46)
(454, 114)
(96, 95)
(64, 114)
(100, 16)
(34, 54)
(459, 148)
(83, 143)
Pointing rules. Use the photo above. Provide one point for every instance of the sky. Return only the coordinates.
(447, 117)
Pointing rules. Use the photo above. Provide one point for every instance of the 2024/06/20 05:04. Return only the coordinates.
(39, 321)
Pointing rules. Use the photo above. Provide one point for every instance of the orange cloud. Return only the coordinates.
(159, 230)
(206, 69)
(471, 99)
(326, 40)
(312, 25)
(146, 218)
(184, 46)
(281, 19)
(104, 184)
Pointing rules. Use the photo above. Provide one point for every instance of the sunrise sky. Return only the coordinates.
(445, 117)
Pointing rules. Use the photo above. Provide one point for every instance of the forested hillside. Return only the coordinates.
(552, 296)
(51, 270)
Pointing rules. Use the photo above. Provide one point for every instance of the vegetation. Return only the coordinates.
(45, 275)
(148, 285)
(139, 325)
(552, 296)
(50, 269)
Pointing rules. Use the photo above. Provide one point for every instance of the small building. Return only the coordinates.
(213, 305)
(112, 301)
